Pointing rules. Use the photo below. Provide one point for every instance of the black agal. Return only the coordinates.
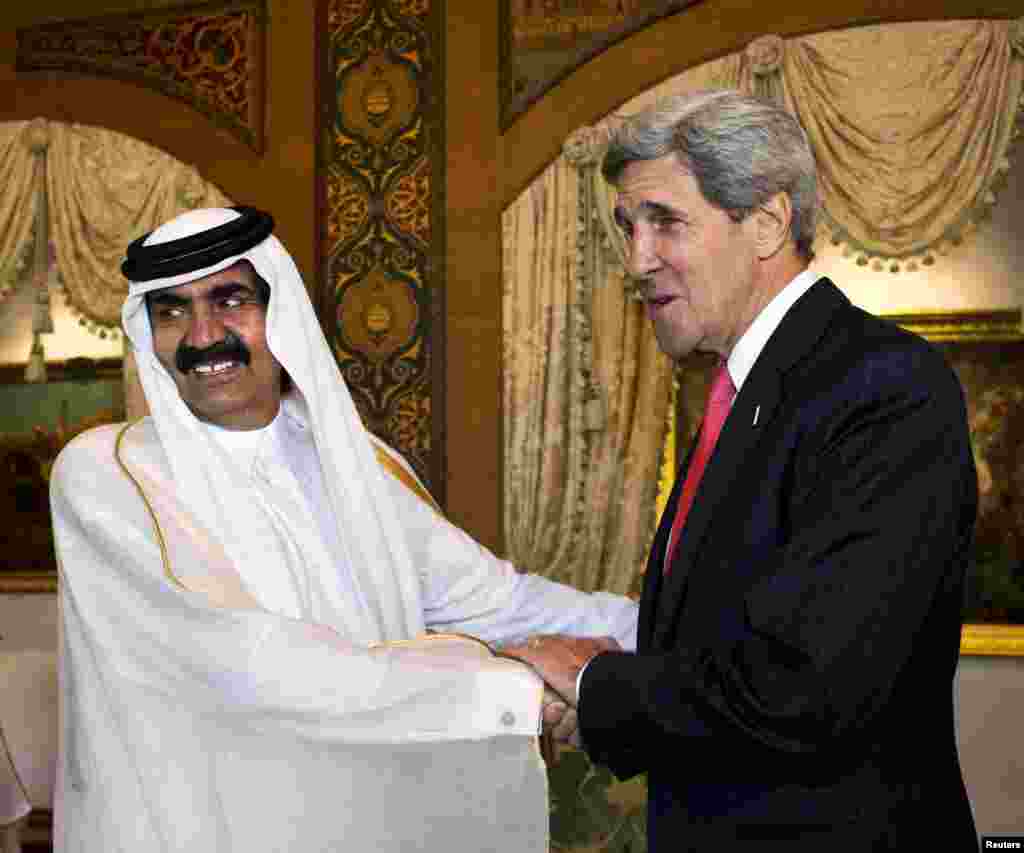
(197, 251)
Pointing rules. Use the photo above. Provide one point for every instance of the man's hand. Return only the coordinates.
(559, 719)
(558, 659)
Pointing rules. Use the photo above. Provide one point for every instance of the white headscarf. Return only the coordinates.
(388, 605)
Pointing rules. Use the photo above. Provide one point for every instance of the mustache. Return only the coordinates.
(232, 348)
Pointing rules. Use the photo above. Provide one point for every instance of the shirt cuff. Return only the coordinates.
(579, 679)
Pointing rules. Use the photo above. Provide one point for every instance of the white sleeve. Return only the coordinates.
(129, 625)
(466, 588)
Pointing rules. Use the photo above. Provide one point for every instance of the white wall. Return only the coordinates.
(990, 709)
(28, 622)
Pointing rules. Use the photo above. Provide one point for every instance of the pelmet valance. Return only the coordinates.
(86, 192)
(911, 125)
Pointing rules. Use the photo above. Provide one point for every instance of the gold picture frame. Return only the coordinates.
(25, 459)
(967, 336)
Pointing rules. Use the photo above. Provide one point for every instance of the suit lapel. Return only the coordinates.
(755, 407)
(738, 437)
(654, 575)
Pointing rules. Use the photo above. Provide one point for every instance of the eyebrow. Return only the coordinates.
(647, 210)
(222, 291)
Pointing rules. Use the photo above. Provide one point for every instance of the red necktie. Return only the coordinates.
(720, 398)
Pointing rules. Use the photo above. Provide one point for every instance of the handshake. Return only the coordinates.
(559, 659)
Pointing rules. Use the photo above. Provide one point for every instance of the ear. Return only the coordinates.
(771, 221)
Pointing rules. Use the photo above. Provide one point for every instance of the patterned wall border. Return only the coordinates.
(211, 56)
(541, 42)
(380, 207)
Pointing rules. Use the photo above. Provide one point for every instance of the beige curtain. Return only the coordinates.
(103, 190)
(86, 192)
(585, 393)
(911, 125)
(18, 199)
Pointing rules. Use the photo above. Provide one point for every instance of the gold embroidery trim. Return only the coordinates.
(440, 635)
(404, 477)
(145, 500)
(383, 459)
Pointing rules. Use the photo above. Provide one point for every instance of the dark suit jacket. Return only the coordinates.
(792, 686)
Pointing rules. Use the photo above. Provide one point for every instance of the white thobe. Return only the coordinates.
(194, 721)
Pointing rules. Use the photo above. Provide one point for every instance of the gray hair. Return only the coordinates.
(740, 149)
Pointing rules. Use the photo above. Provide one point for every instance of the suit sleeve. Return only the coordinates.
(880, 513)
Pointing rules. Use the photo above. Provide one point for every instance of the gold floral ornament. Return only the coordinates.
(413, 8)
(378, 98)
(348, 207)
(408, 425)
(206, 57)
(343, 13)
(378, 316)
(407, 202)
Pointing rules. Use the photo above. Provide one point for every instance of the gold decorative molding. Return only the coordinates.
(211, 56)
(21, 583)
(1006, 640)
(983, 326)
(80, 369)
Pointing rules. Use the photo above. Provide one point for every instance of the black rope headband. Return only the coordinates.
(197, 251)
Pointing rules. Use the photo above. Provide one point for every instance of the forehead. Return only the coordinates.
(238, 274)
(662, 182)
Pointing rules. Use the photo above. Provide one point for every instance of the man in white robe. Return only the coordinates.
(245, 580)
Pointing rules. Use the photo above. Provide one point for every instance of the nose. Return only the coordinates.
(642, 258)
(204, 328)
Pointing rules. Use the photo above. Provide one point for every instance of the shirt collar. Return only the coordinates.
(244, 445)
(744, 354)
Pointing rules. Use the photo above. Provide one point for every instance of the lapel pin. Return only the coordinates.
(757, 413)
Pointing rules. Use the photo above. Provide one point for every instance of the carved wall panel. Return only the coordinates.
(381, 163)
(210, 56)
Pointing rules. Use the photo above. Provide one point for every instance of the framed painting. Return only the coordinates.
(36, 420)
(986, 350)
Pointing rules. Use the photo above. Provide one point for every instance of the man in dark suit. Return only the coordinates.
(798, 638)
